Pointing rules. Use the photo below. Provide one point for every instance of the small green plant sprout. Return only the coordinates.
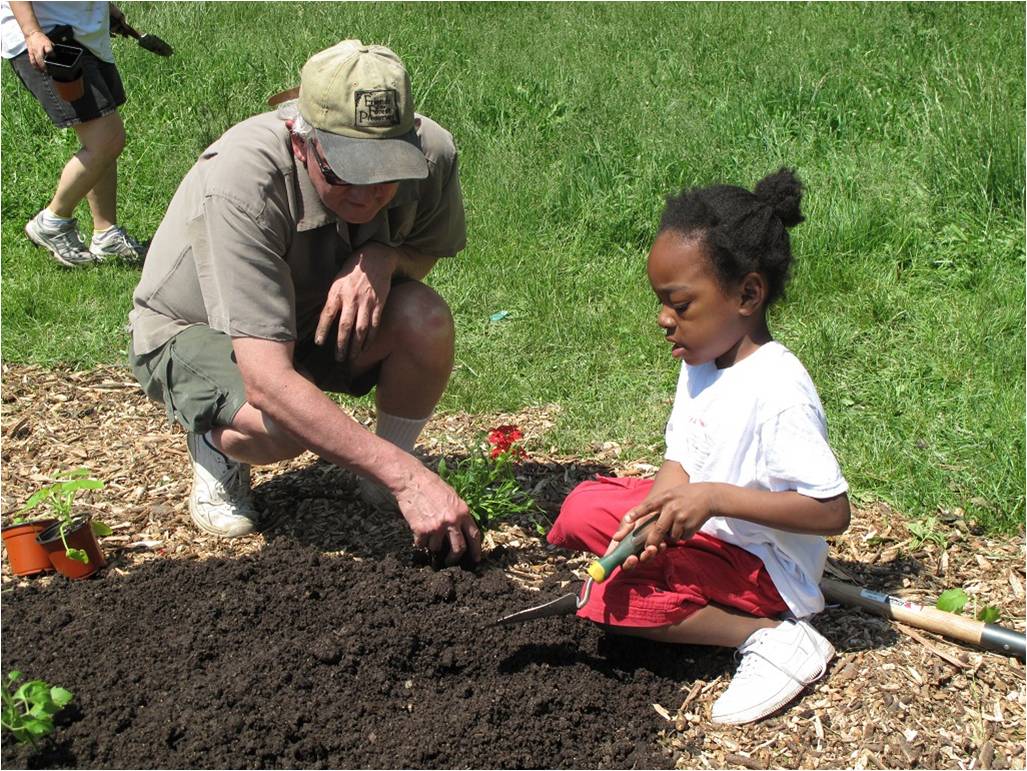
(989, 614)
(925, 531)
(59, 498)
(28, 711)
(952, 600)
(486, 482)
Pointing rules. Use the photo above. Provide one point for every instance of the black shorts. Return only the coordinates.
(104, 92)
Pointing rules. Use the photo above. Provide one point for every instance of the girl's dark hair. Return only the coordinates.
(742, 232)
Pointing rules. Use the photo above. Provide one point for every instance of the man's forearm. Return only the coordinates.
(301, 409)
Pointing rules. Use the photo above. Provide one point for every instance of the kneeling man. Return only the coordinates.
(289, 263)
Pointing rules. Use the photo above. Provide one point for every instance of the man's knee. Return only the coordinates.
(420, 318)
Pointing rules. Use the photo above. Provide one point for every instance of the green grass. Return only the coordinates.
(574, 122)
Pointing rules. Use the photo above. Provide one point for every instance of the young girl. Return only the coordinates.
(749, 486)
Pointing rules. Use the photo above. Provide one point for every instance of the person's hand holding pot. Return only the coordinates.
(39, 47)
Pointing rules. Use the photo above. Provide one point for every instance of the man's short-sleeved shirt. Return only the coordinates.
(248, 248)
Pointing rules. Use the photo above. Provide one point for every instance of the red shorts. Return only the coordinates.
(673, 585)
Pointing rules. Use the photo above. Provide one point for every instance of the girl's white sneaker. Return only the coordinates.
(777, 663)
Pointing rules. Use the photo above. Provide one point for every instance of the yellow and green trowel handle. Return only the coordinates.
(601, 568)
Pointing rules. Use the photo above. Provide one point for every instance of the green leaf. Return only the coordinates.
(61, 696)
(13, 675)
(36, 498)
(989, 614)
(82, 484)
(100, 528)
(39, 726)
(29, 691)
(952, 600)
(78, 555)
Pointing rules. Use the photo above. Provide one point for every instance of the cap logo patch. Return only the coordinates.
(377, 108)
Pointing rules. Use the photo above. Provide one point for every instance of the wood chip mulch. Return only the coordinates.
(894, 697)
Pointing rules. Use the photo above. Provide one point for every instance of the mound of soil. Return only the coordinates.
(292, 658)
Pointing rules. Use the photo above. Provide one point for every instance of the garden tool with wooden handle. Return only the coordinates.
(598, 571)
(980, 633)
(151, 43)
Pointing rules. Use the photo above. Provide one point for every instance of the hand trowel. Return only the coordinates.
(598, 571)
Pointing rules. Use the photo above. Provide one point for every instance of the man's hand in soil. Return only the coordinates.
(439, 519)
(356, 298)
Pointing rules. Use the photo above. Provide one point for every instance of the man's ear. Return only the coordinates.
(752, 293)
(299, 147)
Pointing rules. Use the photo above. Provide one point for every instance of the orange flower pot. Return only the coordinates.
(24, 554)
(64, 64)
(70, 91)
(79, 535)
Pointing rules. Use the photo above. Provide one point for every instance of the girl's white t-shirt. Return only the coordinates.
(90, 22)
(760, 424)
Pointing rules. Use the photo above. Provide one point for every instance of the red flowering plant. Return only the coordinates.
(504, 440)
(486, 481)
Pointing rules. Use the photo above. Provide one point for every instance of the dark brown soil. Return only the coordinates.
(291, 658)
(895, 696)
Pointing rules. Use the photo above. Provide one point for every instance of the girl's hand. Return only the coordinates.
(681, 511)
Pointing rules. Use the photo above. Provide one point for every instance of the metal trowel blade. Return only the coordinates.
(561, 606)
(155, 45)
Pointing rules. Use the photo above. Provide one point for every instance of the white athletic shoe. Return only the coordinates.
(119, 244)
(219, 502)
(776, 665)
(64, 243)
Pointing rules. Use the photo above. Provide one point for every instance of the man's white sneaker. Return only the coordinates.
(776, 665)
(64, 243)
(118, 244)
(219, 503)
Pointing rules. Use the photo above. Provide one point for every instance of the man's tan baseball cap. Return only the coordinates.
(357, 97)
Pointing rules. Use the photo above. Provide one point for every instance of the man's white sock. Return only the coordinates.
(402, 432)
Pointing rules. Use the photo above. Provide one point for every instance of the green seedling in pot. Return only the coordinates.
(60, 497)
(28, 711)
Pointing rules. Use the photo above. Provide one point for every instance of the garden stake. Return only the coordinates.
(598, 572)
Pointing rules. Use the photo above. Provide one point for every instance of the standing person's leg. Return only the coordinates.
(109, 239)
(102, 141)
(91, 173)
(103, 199)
